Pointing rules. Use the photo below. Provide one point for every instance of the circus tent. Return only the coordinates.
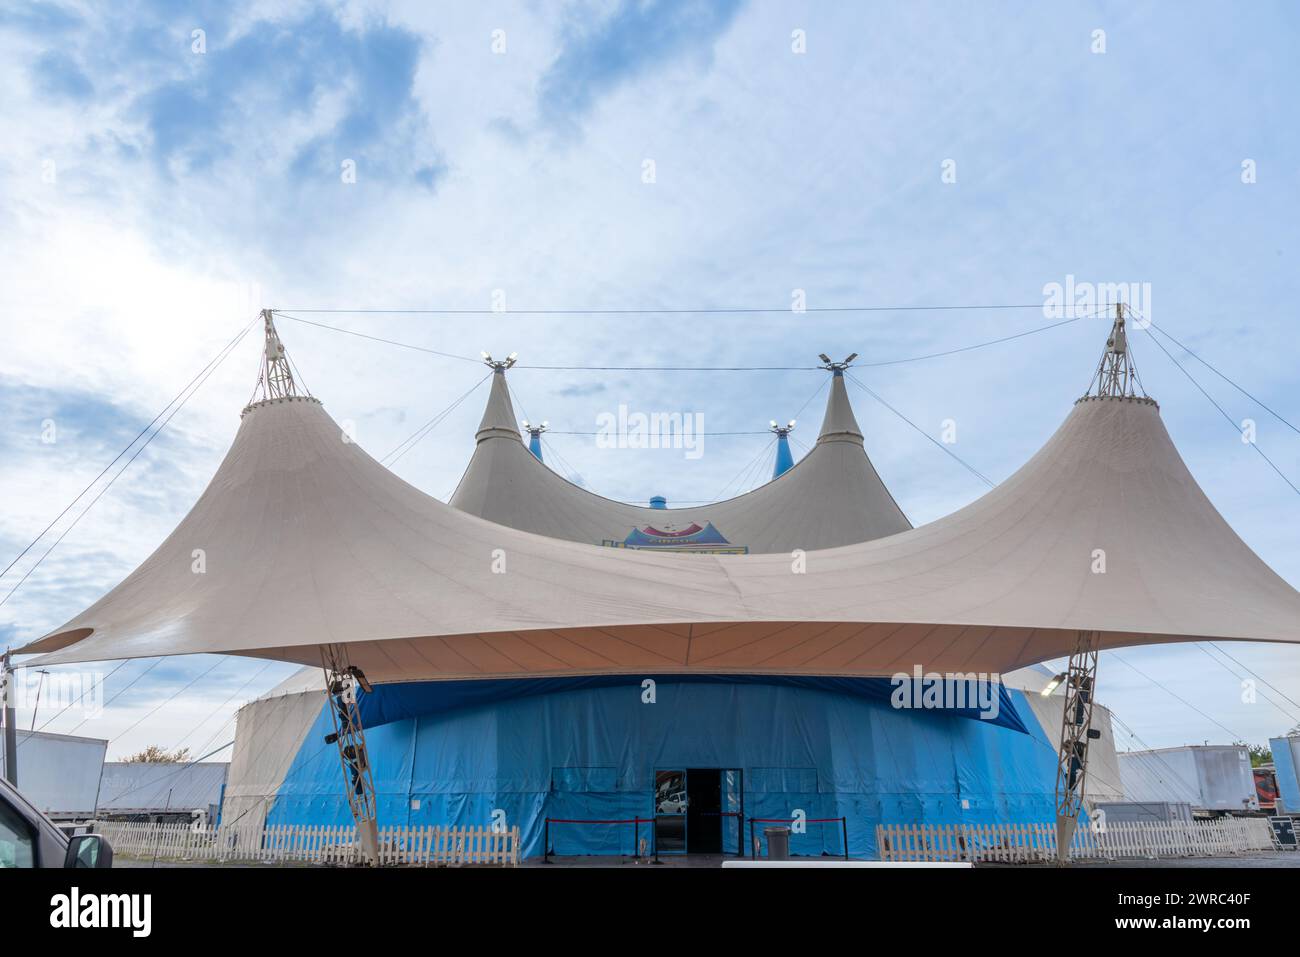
(510, 666)
(308, 540)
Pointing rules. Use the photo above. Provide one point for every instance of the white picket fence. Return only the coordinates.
(1036, 843)
(427, 846)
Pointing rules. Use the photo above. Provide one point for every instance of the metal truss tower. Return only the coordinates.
(1076, 732)
(276, 381)
(341, 683)
(1117, 376)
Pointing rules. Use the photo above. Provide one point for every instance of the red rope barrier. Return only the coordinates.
(580, 820)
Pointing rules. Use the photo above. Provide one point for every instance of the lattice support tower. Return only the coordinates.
(276, 381)
(1117, 375)
(342, 681)
(1076, 732)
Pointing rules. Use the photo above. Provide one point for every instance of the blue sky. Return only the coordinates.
(153, 197)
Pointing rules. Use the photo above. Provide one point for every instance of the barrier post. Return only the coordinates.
(753, 848)
(636, 837)
(546, 841)
(844, 821)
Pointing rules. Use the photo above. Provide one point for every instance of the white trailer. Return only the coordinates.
(143, 790)
(1211, 778)
(59, 773)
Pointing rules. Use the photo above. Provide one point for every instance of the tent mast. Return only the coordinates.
(1076, 732)
(10, 718)
(276, 381)
(342, 679)
(1117, 376)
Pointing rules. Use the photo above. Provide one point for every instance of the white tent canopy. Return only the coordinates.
(833, 496)
(309, 541)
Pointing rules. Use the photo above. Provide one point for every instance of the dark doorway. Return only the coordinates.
(703, 811)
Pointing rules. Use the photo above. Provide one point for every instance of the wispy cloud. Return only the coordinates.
(630, 42)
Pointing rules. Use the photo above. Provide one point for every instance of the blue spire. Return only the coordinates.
(784, 460)
(535, 438)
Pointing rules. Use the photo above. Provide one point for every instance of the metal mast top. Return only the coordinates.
(275, 382)
(1117, 376)
(277, 378)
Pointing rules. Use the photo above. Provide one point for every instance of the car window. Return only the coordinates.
(17, 841)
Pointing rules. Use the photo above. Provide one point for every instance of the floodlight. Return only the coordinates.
(850, 358)
(824, 357)
(772, 423)
(1053, 684)
(360, 676)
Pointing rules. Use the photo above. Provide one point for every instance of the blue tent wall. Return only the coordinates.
(592, 752)
(393, 702)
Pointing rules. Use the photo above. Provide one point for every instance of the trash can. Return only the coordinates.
(778, 843)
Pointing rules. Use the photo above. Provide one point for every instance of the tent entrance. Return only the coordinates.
(703, 811)
(699, 811)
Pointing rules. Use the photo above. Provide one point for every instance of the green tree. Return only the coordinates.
(1259, 755)
(156, 755)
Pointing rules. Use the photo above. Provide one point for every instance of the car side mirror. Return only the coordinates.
(88, 850)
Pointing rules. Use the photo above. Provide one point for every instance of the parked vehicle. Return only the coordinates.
(1266, 788)
(1142, 812)
(30, 839)
(1213, 779)
(60, 773)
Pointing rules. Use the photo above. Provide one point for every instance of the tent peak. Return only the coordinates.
(839, 425)
(499, 416)
(1135, 399)
(499, 366)
(275, 382)
(784, 459)
(837, 368)
(535, 437)
(1117, 375)
(311, 399)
